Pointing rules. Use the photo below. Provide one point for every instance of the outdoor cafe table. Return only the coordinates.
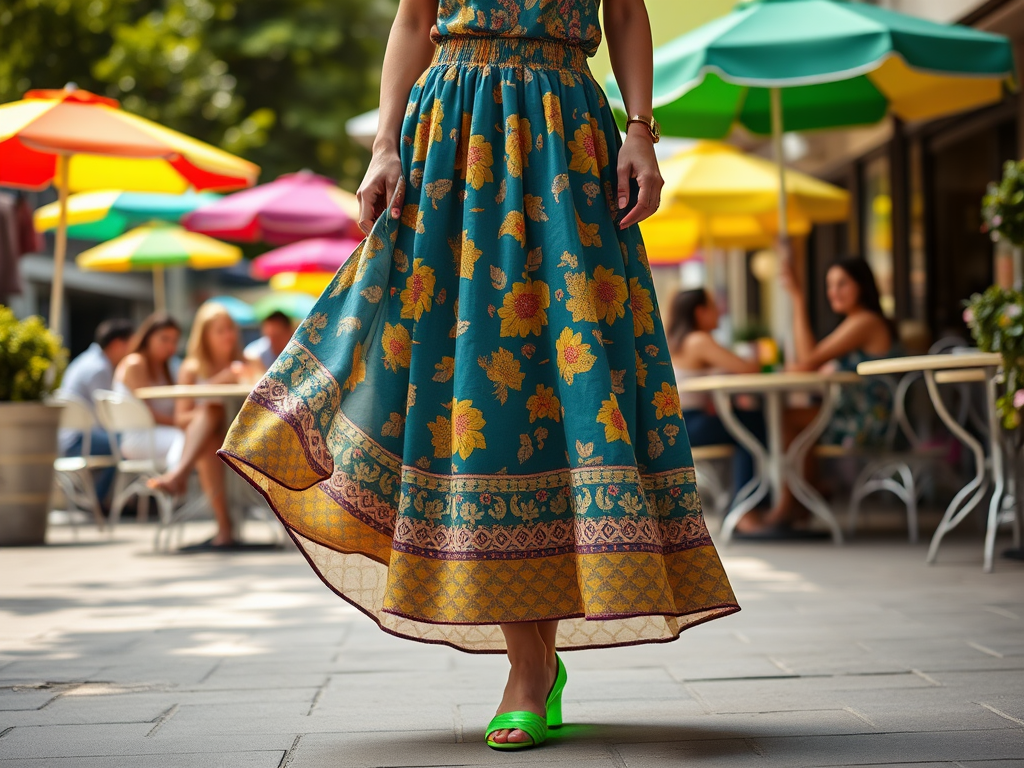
(958, 369)
(233, 394)
(774, 465)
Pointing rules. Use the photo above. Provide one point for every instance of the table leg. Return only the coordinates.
(998, 469)
(964, 502)
(752, 493)
(792, 462)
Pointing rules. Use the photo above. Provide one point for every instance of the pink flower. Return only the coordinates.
(1018, 398)
(968, 316)
(997, 220)
(1013, 310)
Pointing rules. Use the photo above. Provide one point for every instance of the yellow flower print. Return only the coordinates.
(589, 149)
(467, 422)
(441, 430)
(609, 293)
(412, 217)
(524, 308)
(642, 306)
(544, 404)
(428, 130)
(553, 113)
(614, 423)
(358, 372)
(397, 346)
(479, 160)
(465, 253)
(641, 370)
(503, 369)
(581, 301)
(666, 401)
(573, 355)
(518, 143)
(419, 290)
(590, 234)
(515, 225)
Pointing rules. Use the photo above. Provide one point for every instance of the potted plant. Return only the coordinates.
(32, 361)
(1002, 211)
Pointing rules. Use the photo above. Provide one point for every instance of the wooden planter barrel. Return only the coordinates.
(28, 446)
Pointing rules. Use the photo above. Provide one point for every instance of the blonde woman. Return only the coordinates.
(213, 356)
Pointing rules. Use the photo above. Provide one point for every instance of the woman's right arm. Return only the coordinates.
(714, 355)
(408, 53)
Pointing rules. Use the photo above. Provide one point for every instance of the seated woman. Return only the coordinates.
(862, 411)
(693, 315)
(213, 356)
(147, 364)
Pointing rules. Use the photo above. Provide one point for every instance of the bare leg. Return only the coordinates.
(532, 674)
(207, 421)
(211, 478)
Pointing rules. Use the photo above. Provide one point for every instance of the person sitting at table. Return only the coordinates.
(213, 356)
(147, 364)
(276, 331)
(90, 371)
(862, 411)
(693, 315)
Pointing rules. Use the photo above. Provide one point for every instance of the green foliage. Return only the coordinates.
(32, 359)
(271, 80)
(996, 320)
(1002, 208)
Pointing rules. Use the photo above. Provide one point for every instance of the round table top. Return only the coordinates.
(193, 390)
(750, 383)
(930, 363)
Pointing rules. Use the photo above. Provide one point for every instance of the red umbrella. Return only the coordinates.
(320, 254)
(293, 207)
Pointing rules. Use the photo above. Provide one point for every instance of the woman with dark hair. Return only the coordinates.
(693, 315)
(147, 364)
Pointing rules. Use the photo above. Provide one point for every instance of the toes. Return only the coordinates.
(499, 737)
(519, 737)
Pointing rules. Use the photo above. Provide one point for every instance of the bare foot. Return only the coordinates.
(529, 683)
(750, 522)
(169, 482)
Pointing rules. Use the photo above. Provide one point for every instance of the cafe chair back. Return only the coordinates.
(119, 413)
(73, 474)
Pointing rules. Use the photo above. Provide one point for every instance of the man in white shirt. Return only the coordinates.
(276, 329)
(92, 370)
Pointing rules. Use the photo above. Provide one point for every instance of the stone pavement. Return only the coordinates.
(113, 656)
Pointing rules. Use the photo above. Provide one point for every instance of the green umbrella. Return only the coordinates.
(835, 62)
(292, 303)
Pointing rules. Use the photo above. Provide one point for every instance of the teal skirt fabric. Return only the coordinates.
(479, 423)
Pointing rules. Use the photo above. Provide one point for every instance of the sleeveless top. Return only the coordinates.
(572, 22)
(863, 411)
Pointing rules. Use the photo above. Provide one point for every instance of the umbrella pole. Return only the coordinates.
(785, 311)
(159, 290)
(60, 245)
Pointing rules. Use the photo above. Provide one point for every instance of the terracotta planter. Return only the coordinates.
(28, 446)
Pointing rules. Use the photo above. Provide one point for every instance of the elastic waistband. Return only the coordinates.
(530, 52)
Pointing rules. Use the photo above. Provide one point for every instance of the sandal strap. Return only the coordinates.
(534, 726)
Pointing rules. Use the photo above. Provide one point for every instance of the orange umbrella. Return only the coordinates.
(79, 141)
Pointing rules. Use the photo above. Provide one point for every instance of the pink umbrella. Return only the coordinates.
(291, 208)
(322, 254)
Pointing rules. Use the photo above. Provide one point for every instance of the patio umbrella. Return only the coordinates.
(155, 247)
(293, 207)
(241, 312)
(292, 303)
(775, 65)
(720, 196)
(310, 283)
(106, 214)
(78, 141)
(319, 254)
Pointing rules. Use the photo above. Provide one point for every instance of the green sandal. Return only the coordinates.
(531, 724)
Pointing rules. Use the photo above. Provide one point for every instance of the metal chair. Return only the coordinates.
(709, 478)
(119, 413)
(73, 474)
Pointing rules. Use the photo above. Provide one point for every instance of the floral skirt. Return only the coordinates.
(478, 423)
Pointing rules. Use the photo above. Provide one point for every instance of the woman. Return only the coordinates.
(862, 411)
(693, 316)
(475, 435)
(213, 356)
(147, 364)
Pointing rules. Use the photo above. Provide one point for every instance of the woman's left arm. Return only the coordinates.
(628, 30)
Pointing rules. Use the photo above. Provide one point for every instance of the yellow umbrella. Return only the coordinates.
(312, 283)
(155, 247)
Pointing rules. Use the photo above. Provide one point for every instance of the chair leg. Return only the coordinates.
(118, 499)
